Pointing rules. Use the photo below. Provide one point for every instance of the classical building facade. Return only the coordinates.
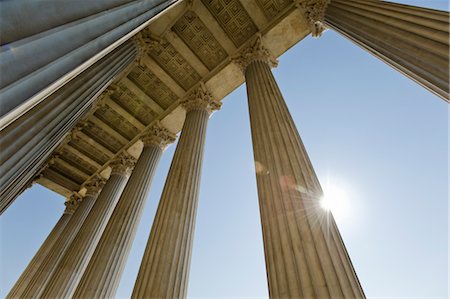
(92, 94)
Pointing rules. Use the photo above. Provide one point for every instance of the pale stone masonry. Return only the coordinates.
(301, 262)
(87, 89)
(164, 269)
(68, 272)
(42, 273)
(45, 249)
(102, 276)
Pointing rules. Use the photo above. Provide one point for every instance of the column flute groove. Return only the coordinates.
(165, 266)
(43, 251)
(301, 262)
(103, 273)
(70, 269)
(80, 208)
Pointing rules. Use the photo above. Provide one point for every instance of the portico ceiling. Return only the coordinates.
(193, 42)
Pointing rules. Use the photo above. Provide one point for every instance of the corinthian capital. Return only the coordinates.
(200, 99)
(315, 13)
(159, 136)
(255, 52)
(94, 186)
(145, 41)
(72, 203)
(123, 164)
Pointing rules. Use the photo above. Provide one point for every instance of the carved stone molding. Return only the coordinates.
(200, 99)
(315, 14)
(72, 203)
(255, 52)
(95, 185)
(123, 164)
(145, 41)
(159, 136)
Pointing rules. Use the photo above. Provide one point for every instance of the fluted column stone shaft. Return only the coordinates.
(70, 269)
(34, 67)
(28, 142)
(413, 40)
(165, 266)
(40, 255)
(102, 276)
(39, 276)
(305, 257)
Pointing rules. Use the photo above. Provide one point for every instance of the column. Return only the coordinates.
(28, 141)
(165, 267)
(413, 40)
(44, 250)
(36, 66)
(305, 256)
(38, 276)
(69, 270)
(102, 276)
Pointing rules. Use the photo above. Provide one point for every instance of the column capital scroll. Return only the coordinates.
(145, 40)
(159, 136)
(256, 51)
(94, 186)
(122, 164)
(72, 203)
(200, 99)
(315, 14)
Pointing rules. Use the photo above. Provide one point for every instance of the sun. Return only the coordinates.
(336, 199)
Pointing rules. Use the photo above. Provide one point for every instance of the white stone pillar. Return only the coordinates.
(28, 142)
(69, 270)
(305, 256)
(44, 250)
(165, 267)
(102, 276)
(413, 40)
(38, 276)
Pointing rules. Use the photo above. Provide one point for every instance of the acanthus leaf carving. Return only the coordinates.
(123, 164)
(159, 136)
(315, 14)
(200, 99)
(256, 51)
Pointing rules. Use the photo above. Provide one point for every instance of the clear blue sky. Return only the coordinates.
(368, 130)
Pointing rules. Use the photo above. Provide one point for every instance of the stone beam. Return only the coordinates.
(210, 21)
(82, 156)
(142, 95)
(61, 180)
(129, 117)
(187, 53)
(163, 76)
(69, 166)
(108, 129)
(95, 144)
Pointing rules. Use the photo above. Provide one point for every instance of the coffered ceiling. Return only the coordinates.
(192, 42)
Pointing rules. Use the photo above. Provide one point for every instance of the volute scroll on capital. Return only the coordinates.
(200, 99)
(256, 51)
(94, 186)
(159, 136)
(72, 203)
(145, 41)
(123, 164)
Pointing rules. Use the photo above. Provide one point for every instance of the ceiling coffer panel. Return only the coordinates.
(200, 40)
(233, 19)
